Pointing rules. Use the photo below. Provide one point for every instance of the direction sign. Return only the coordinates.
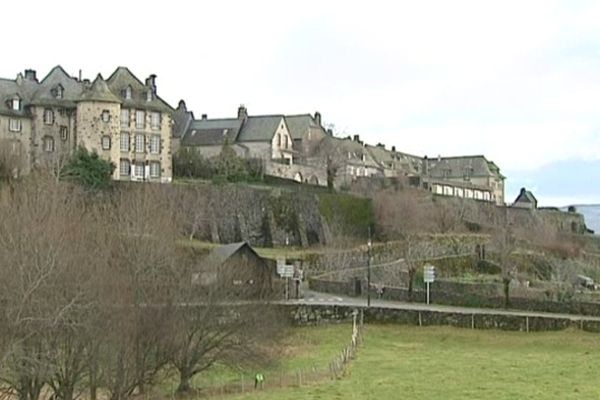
(285, 271)
(428, 274)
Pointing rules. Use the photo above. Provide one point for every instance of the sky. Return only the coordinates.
(517, 81)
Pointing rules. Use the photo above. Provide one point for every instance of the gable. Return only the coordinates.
(260, 128)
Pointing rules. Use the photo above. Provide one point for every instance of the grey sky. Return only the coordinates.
(518, 81)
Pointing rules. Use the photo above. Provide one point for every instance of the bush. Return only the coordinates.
(88, 170)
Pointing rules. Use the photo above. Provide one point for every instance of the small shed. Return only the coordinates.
(237, 270)
(526, 200)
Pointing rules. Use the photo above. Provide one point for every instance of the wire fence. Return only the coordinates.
(335, 369)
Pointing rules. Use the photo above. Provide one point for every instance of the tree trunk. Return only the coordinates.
(411, 277)
(506, 283)
(185, 377)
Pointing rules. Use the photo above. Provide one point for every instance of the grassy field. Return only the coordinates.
(301, 350)
(448, 363)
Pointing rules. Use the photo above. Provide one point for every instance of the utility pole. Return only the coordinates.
(369, 244)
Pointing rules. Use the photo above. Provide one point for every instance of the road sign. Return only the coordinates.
(428, 274)
(428, 277)
(285, 271)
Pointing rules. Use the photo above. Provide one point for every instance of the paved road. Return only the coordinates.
(311, 297)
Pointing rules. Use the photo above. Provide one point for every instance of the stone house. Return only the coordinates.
(471, 177)
(525, 200)
(264, 137)
(307, 132)
(46, 120)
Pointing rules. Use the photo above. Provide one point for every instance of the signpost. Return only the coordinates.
(285, 271)
(428, 277)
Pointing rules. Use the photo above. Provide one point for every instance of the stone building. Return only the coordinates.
(526, 200)
(471, 177)
(122, 119)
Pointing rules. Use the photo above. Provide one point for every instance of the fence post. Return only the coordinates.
(527, 323)
(242, 376)
(420, 321)
(472, 321)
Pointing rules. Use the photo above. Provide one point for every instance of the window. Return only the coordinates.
(127, 93)
(124, 167)
(125, 118)
(64, 133)
(49, 144)
(155, 121)
(16, 104)
(149, 95)
(286, 142)
(140, 119)
(58, 92)
(139, 170)
(105, 142)
(14, 125)
(155, 144)
(48, 116)
(154, 169)
(124, 141)
(139, 143)
(279, 140)
(105, 116)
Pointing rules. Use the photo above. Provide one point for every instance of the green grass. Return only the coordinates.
(302, 349)
(449, 363)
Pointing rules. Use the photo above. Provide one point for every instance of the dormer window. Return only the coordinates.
(16, 104)
(127, 93)
(58, 92)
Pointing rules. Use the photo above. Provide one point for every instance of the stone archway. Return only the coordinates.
(313, 180)
(298, 177)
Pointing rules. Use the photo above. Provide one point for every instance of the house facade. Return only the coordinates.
(264, 137)
(122, 119)
(471, 177)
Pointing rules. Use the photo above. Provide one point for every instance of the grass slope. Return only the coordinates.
(448, 363)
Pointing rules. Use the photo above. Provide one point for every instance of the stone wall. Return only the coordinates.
(459, 294)
(298, 172)
(324, 314)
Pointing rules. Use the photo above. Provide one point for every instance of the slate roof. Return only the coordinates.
(300, 125)
(212, 132)
(99, 92)
(222, 253)
(457, 167)
(395, 160)
(182, 118)
(526, 196)
(45, 94)
(353, 151)
(122, 78)
(8, 90)
(259, 128)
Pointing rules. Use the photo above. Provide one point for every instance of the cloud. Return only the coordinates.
(517, 81)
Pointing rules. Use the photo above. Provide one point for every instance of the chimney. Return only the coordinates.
(181, 106)
(425, 167)
(204, 116)
(242, 112)
(30, 75)
(393, 149)
(151, 83)
(330, 132)
(318, 118)
(79, 75)
(381, 145)
(357, 138)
